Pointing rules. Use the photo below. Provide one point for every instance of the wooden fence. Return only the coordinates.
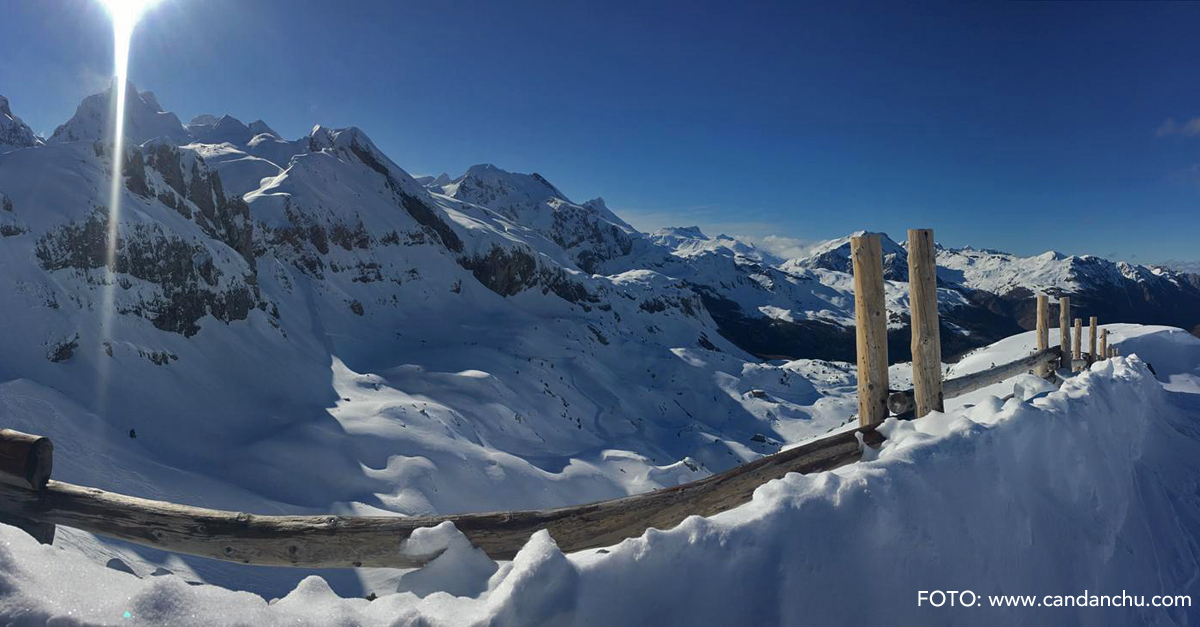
(31, 500)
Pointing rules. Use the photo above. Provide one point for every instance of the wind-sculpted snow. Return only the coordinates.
(1087, 489)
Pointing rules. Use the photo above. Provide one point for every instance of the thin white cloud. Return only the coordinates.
(1191, 128)
(781, 246)
(762, 234)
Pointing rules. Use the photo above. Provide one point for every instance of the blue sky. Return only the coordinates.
(1018, 126)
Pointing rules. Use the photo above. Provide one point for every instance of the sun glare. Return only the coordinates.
(124, 14)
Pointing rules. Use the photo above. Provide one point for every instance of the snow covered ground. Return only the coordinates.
(1089, 487)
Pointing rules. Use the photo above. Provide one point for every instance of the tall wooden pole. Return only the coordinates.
(1092, 354)
(926, 334)
(1103, 343)
(1078, 340)
(870, 323)
(1064, 330)
(1043, 328)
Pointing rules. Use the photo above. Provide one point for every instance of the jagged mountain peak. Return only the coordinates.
(835, 255)
(151, 100)
(672, 236)
(4, 110)
(144, 119)
(323, 137)
(259, 127)
(501, 190)
(691, 241)
(220, 130)
(433, 182)
(204, 119)
(352, 143)
(14, 133)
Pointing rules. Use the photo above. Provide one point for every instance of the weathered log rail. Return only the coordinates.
(902, 402)
(31, 501)
(375, 541)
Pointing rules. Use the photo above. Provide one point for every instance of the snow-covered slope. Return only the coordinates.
(14, 133)
(1085, 490)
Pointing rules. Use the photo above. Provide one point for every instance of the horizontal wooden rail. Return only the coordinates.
(901, 402)
(375, 541)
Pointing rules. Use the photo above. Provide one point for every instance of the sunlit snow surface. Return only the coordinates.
(1091, 486)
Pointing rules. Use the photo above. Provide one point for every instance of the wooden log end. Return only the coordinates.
(901, 402)
(26, 461)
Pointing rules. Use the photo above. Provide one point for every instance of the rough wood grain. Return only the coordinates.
(926, 335)
(1103, 343)
(1078, 342)
(1064, 331)
(375, 541)
(1092, 353)
(870, 323)
(1043, 329)
(26, 460)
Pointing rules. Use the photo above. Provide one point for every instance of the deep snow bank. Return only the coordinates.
(1089, 487)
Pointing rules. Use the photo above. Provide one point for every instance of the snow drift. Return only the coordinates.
(1090, 487)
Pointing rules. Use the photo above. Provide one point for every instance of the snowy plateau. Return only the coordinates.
(301, 327)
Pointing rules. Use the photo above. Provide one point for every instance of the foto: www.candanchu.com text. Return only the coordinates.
(967, 598)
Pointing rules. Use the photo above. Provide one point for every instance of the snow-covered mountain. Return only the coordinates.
(591, 234)
(343, 337)
(14, 133)
(144, 119)
(835, 255)
(999, 282)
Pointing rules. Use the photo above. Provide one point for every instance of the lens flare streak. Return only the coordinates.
(124, 14)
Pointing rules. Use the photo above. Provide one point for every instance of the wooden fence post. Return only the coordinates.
(1078, 340)
(1103, 343)
(870, 324)
(1064, 330)
(926, 333)
(1092, 355)
(1043, 329)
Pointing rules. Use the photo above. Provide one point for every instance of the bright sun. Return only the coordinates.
(125, 13)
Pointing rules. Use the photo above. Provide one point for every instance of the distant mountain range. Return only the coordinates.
(798, 307)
